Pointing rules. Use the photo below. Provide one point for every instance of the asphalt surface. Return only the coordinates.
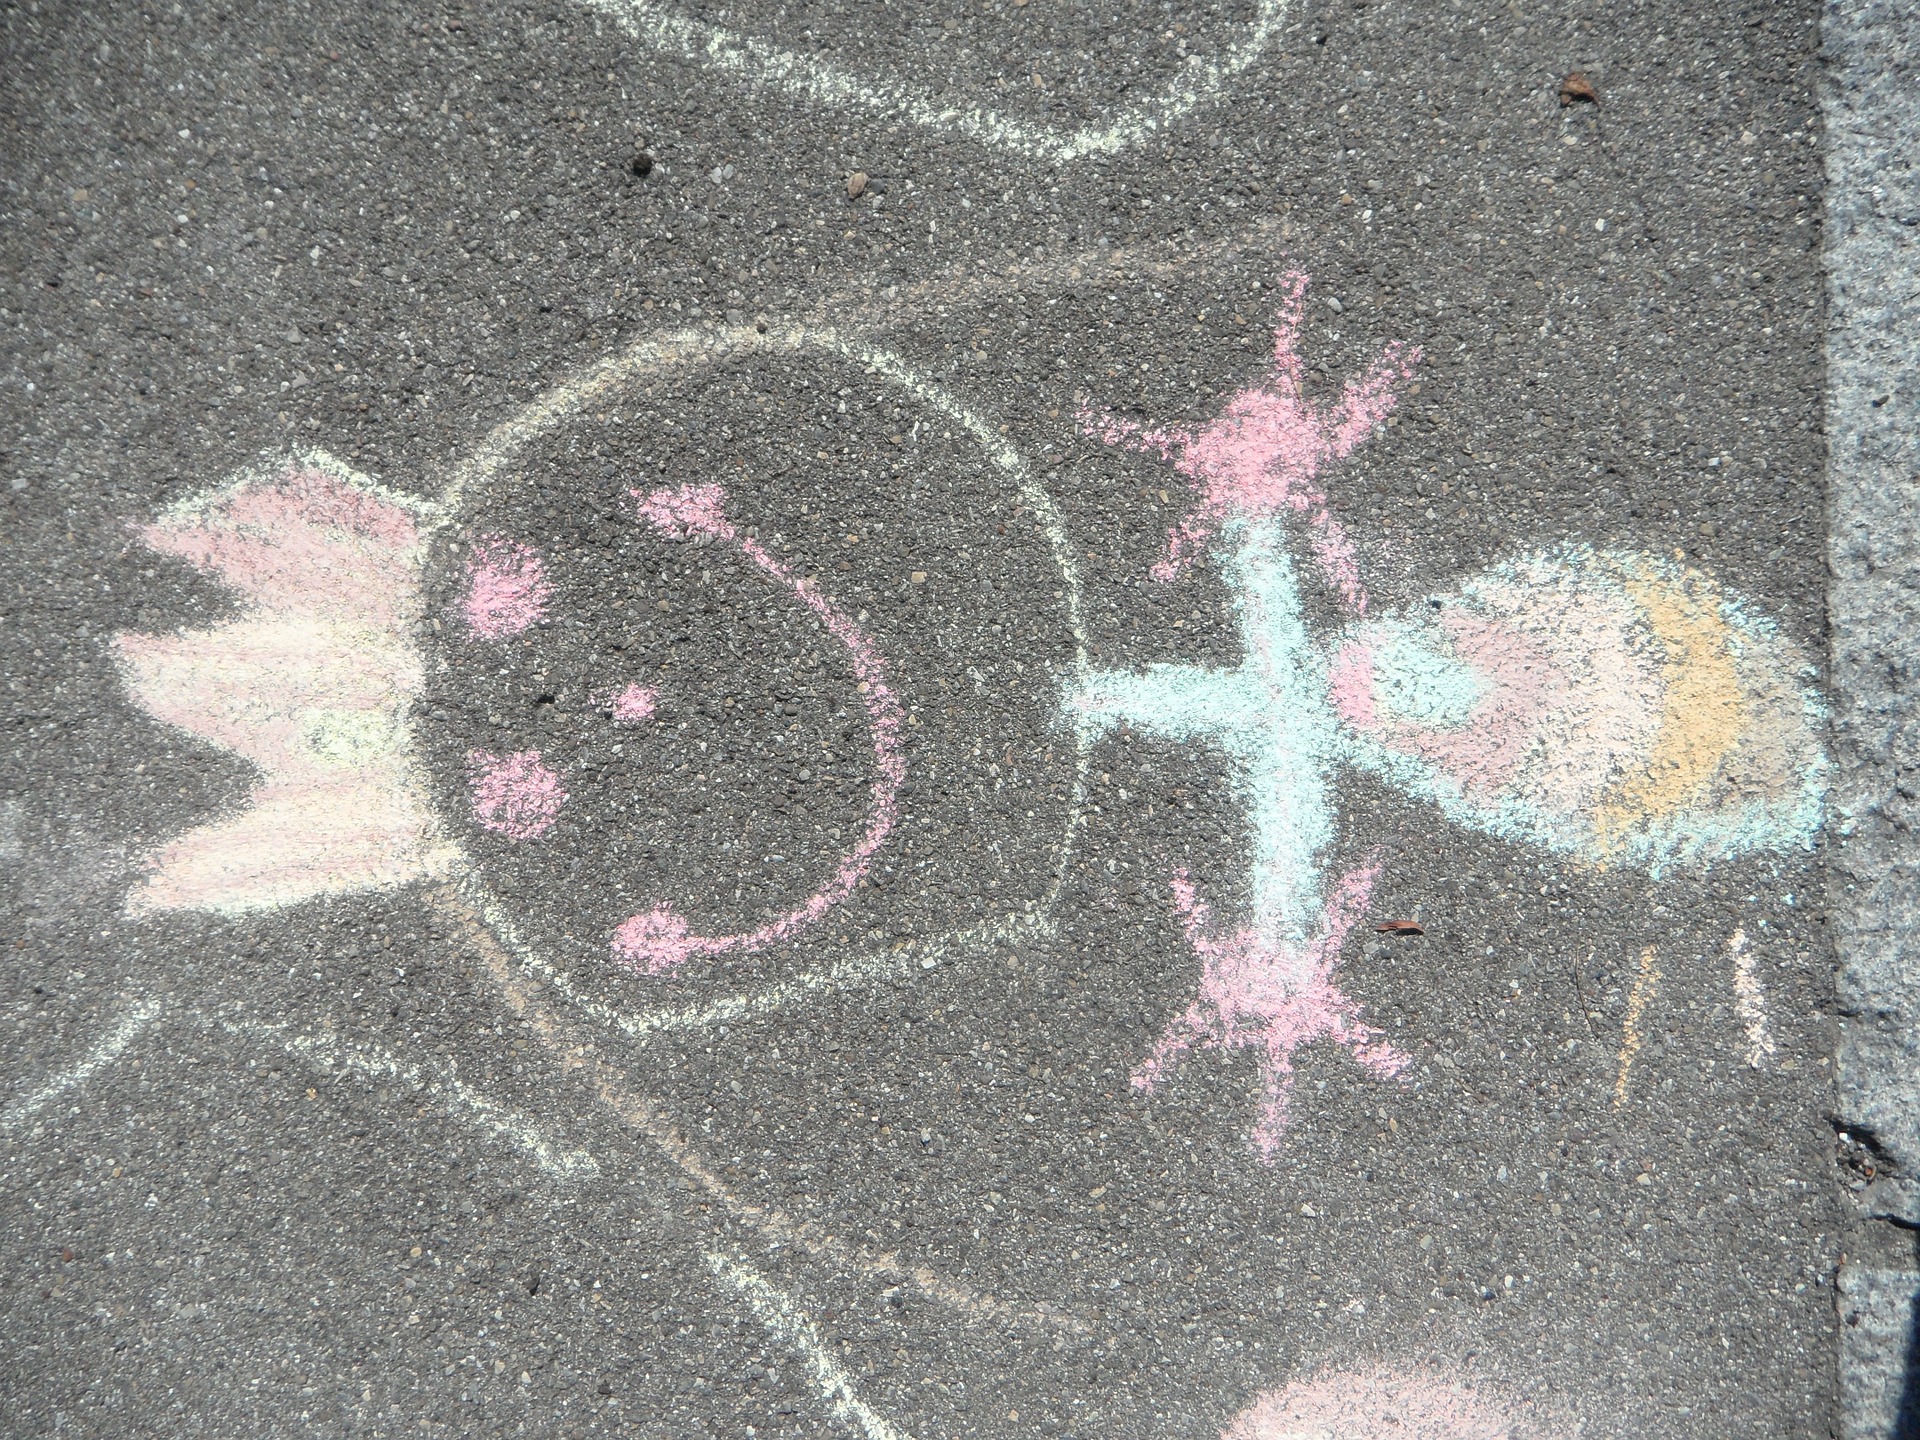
(360, 1166)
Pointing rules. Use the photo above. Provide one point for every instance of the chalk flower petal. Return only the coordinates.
(312, 682)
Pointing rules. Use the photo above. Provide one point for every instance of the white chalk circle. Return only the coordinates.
(500, 474)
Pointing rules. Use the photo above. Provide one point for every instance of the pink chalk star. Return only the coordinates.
(1256, 991)
(1265, 451)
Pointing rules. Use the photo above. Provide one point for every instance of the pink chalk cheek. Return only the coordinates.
(507, 589)
(518, 796)
(655, 942)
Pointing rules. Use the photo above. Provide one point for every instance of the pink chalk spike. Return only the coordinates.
(1262, 993)
(1263, 454)
(687, 511)
(516, 795)
(658, 941)
(634, 704)
(507, 588)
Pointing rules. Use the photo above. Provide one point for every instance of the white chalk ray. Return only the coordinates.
(790, 1325)
(1752, 999)
(109, 1048)
(560, 1161)
(1200, 81)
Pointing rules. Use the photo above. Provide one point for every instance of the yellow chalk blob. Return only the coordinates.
(1703, 713)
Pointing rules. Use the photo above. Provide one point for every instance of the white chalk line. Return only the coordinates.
(790, 1325)
(110, 1047)
(1752, 1000)
(710, 345)
(519, 1130)
(323, 1050)
(1199, 81)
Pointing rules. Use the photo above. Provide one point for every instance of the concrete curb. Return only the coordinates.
(1873, 428)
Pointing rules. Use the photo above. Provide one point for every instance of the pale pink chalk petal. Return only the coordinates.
(634, 704)
(312, 682)
(507, 588)
(516, 795)
(1373, 1404)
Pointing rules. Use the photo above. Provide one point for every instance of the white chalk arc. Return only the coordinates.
(1201, 80)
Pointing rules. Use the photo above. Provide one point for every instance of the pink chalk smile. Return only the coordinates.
(660, 940)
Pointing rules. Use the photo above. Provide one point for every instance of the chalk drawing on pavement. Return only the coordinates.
(658, 940)
(652, 939)
(1260, 992)
(1606, 705)
(1200, 80)
(1633, 1026)
(789, 1324)
(517, 795)
(507, 589)
(1614, 707)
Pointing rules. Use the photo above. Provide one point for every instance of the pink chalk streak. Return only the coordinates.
(634, 704)
(1350, 681)
(1263, 454)
(1276, 998)
(1376, 1403)
(514, 795)
(507, 588)
(651, 942)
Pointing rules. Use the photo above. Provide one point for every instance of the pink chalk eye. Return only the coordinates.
(634, 704)
(507, 588)
(518, 796)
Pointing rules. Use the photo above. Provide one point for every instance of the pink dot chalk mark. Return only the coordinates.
(516, 795)
(660, 940)
(634, 704)
(507, 588)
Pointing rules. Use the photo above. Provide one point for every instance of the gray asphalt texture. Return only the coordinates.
(380, 231)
